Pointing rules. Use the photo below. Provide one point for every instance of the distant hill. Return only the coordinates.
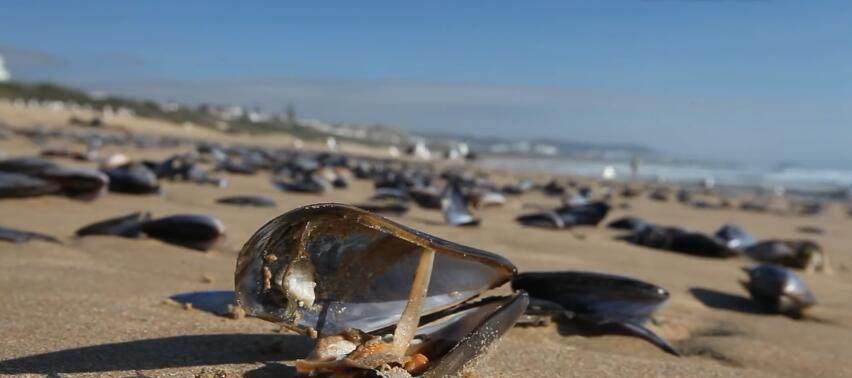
(149, 109)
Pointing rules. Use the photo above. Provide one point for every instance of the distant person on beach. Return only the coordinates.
(634, 167)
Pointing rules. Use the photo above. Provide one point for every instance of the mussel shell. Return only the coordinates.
(80, 183)
(256, 201)
(627, 223)
(544, 219)
(200, 232)
(128, 226)
(384, 207)
(734, 236)
(15, 185)
(426, 197)
(455, 209)
(238, 167)
(20, 236)
(589, 214)
(587, 293)
(778, 289)
(797, 254)
(362, 267)
(133, 178)
(31, 166)
(308, 185)
(679, 240)
(384, 194)
(469, 333)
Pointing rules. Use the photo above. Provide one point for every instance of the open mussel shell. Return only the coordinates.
(325, 268)
(455, 209)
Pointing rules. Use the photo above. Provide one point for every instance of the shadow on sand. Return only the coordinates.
(169, 352)
(724, 301)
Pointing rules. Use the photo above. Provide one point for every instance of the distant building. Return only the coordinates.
(4, 73)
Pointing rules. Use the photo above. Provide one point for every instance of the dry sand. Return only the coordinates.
(97, 306)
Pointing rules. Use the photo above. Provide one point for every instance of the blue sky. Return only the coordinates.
(762, 81)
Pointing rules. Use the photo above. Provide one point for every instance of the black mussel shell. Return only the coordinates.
(594, 293)
(627, 223)
(128, 226)
(383, 194)
(30, 166)
(734, 236)
(596, 303)
(778, 289)
(256, 201)
(384, 207)
(678, 240)
(454, 343)
(589, 214)
(78, 183)
(200, 232)
(16, 185)
(426, 197)
(20, 236)
(306, 185)
(797, 254)
(133, 178)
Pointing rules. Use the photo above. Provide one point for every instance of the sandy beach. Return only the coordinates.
(98, 306)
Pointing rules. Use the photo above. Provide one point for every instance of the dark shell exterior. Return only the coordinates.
(256, 201)
(627, 223)
(678, 240)
(128, 226)
(779, 289)
(602, 294)
(469, 333)
(734, 236)
(133, 178)
(20, 236)
(798, 254)
(200, 232)
(15, 185)
(79, 183)
(589, 214)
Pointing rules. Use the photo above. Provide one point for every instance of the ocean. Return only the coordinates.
(790, 179)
